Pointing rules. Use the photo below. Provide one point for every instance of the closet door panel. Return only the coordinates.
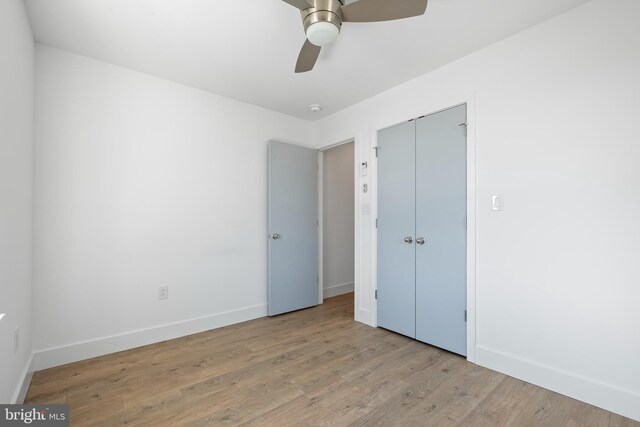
(441, 194)
(396, 227)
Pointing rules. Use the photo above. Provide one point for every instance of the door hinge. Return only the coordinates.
(465, 127)
(465, 315)
(376, 294)
(376, 222)
(377, 149)
(465, 222)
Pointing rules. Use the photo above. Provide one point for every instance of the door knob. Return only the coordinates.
(408, 239)
(275, 236)
(420, 240)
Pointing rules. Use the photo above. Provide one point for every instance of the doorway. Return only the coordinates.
(337, 220)
(311, 222)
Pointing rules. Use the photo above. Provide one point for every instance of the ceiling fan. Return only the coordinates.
(322, 20)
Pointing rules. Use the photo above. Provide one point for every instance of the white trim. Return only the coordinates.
(360, 313)
(25, 380)
(320, 226)
(372, 314)
(335, 290)
(337, 144)
(603, 395)
(472, 213)
(57, 356)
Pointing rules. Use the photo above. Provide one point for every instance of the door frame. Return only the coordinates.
(321, 152)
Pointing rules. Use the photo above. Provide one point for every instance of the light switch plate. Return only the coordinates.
(497, 202)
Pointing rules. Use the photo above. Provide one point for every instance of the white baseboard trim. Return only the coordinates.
(23, 383)
(606, 396)
(335, 290)
(51, 357)
(364, 316)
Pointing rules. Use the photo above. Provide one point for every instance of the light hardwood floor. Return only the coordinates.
(311, 367)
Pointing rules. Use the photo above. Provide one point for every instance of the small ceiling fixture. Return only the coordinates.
(315, 108)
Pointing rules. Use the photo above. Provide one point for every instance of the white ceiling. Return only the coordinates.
(247, 49)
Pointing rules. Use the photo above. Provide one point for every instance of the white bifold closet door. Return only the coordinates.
(422, 208)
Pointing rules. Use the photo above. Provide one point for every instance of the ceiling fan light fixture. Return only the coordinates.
(322, 20)
(322, 33)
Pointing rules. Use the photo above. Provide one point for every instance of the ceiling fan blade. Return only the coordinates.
(382, 10)
(300, 4)
(308, 57)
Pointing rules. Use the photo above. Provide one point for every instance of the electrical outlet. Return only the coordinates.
(163, 292)
(16, 339)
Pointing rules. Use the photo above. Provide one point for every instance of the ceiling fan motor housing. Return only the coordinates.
(323, 11)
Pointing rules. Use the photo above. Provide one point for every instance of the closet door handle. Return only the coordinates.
(408, 239)
(420, 240)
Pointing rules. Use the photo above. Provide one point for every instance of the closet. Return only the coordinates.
(422, 239)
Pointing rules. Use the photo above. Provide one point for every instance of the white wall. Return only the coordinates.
(16, 146)
(338, 222)
(141, 182)
(558, 277)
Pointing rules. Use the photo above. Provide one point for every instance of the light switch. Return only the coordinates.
(363, 169)
(365, 209)
(497, 202)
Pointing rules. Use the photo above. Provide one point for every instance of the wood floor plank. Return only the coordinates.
(308, 368)
(502, 406)
(451, 401)
(401, 407)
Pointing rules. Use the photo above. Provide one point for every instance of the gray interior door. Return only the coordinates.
(441, 208)
(293, 232)
(396, 226)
